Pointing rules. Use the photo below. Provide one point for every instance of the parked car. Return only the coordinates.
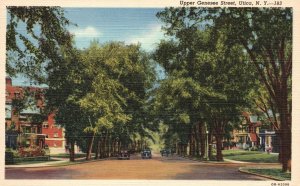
(165, 152)
(124, 154)
(146, 154)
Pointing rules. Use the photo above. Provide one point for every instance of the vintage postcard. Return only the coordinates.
(138, 92)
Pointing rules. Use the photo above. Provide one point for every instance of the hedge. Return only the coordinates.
(9, 159)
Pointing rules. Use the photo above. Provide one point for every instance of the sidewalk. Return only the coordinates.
(42, 164)
(234, 161)
(58, 162)
(227, 161)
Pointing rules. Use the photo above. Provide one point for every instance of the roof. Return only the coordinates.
(13, 91)
(32, 110)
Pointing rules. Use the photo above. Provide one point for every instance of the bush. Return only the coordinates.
(28, 159)
(31, 152)
(46, 152)
(8, 149)
(25, 154)
(14, 152)
(9, 158)
(254, 148)
(214, 151)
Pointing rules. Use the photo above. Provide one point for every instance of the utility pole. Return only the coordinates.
(206, 129)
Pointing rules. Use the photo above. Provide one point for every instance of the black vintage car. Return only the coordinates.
(146, 154)
(165, 152)
(124, 154)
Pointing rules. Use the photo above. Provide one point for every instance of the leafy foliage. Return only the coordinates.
(217, 67)
(33, 40)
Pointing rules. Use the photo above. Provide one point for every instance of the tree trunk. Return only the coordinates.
(210, 154)
(278, 134)
(72, 150)
(197, 139)
(102, 148)
(219, 137)
(90, 146)
(193, 141)
(119, 147)
(285, 127)
(286, 149)
(202, 140)
(97, 153)
(106, 145)
(115, 147)
(190, 142)
(179, 149)
(96, 150)
(109, 146)
(134, 145)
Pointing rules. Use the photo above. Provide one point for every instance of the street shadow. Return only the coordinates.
(215, 172)
(40, 173)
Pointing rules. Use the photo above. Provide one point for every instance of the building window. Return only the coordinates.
(26, 129)
(55, 135)
(33, 130)
(39, 130)
(45, 125)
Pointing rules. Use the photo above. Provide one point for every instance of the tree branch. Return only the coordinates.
(289, 65)
(260, 71)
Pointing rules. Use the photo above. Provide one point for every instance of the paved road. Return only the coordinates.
(157, 168)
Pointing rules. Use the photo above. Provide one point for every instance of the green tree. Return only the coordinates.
(65, 89)
(119, 76)
(204, 55)
(34, 37)
(266, 37)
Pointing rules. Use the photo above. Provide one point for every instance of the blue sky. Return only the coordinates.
(130, 25)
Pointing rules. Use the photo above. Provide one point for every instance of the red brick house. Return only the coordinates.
(28, 126)
(54, 133)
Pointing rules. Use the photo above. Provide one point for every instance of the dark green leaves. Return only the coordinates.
(34, 38)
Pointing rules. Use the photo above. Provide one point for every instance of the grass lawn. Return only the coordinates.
(250, 156)
(275, 173)
(238, 152)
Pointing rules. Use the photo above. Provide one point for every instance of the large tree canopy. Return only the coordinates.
(34, 37)
(206, 64)
(266, 37)
(101, 91)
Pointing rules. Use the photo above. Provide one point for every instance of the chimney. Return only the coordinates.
(8, 81)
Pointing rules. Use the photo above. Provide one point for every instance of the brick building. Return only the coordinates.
(25, 121)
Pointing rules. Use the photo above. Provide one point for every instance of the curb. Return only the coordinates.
(237, 162)
(264, 176)
(57, 164)
(203, 161)
(227, 161)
